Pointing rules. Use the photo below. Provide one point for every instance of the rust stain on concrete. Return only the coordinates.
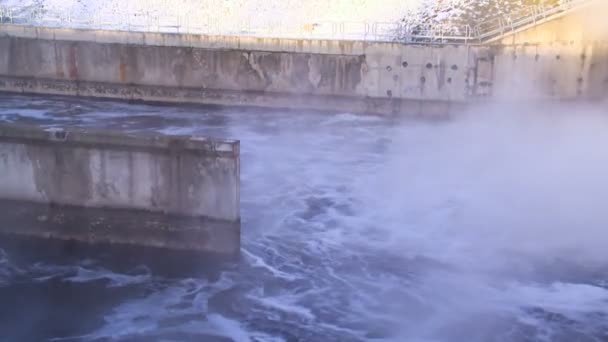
(122, 72)
(72, 62)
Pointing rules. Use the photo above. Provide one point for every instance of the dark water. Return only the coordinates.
(355, 228)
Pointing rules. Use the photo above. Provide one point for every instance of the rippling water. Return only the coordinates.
(489, 227)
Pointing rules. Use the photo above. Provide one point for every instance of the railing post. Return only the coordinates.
(374, 30)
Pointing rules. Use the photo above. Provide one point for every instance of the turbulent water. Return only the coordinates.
(487, 227)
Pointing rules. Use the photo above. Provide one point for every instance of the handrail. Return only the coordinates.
(378, 31)
(498, 27)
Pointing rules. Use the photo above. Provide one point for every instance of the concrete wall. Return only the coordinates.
(178, 176)
(563, 58)
(551, 71)
(349, 76)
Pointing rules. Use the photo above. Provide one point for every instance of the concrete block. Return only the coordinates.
(148, 176)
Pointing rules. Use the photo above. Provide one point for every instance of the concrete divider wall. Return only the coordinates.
(170, 176)
(352, 76)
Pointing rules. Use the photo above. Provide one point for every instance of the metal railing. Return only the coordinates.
(530, 15)
(492, 28)
(378, 31)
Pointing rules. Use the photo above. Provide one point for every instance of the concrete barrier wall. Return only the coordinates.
(349, 76)
(170, 176)
(551, 71)
(563, 58)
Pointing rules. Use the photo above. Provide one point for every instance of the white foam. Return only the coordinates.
(488, 197)
(571, 300)
(84, 275)
(286, 303)
(175, 130)
(258, 262)
(349, 118)
(30, 114)
(7, 269)
(229, 328)
(141, 317)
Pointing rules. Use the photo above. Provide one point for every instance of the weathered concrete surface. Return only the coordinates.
(565, 58)
(350, 76)
(558, 71)
(126, 176)
(229, 97)
(562, 59)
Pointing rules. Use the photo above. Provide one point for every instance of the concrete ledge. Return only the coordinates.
(355, 104)
(113, 140)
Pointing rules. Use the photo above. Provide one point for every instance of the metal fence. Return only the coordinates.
(348, 30)
(489, 29)
(377, 31)
(530, 15)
